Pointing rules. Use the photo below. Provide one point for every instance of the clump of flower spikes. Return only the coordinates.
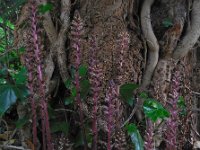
(172, 122)
(36, 79)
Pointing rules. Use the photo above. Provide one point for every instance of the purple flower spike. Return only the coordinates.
(111, 99)
(40, 82)
(95, 73)
(148, 144)
(172, 122)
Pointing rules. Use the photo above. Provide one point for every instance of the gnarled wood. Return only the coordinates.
(192, 33)
(151, 41)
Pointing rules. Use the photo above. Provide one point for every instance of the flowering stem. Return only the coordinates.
(172, 122)
(148, 144)
(44, 112)
(76, 31)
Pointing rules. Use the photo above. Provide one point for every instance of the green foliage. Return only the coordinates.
(79, 141)
(84, 85)
(135, 136)
(182, 106)
(7, 23)
(43, 8)
(60, 127)
(9, 94)
(126, 92)
(68, 100)
(154, 110)
(10, 9)
(21, 76)
(83, 71)
(85, 88)
(7, 97)
(167, 22)
(21, 92)
(21, 122)
(13, 75)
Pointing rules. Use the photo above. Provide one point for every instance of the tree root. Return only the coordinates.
(192, 33)
(152, 43)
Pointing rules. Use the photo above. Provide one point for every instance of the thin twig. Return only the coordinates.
(193, 92)
(2, 120)
(13, 147)
(7, 51)
(67, 110)
(137, 106)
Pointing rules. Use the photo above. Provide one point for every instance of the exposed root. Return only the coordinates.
(151, 42)
(61, 54)
(48, 24)
(192, 33)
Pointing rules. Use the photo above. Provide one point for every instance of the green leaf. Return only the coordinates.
(68, 83)
(182, 106)
(3, 71)
(144, 95)
(167, 22)
(21, 76)
(154, 110)
(85, 88)
(21, 92)
(7, 23)
(135, 136)
(7, 97)
(181, 102)
(126, 92)
(72, 72)
(1, 20)
(60, 127)
(83, 71)
(73, 92)
(45, 8)
(10, 25)
(68, 100)
(22, 50)
(21, 122)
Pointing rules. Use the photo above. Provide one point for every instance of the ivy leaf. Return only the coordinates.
(154, 110)
(60, 127)
(21, 122)
(167, 22)
(85, 88)
(135, 136)
(126, 92)
(21, 92)
(83, 71)
(7, 97)
(43, 8)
